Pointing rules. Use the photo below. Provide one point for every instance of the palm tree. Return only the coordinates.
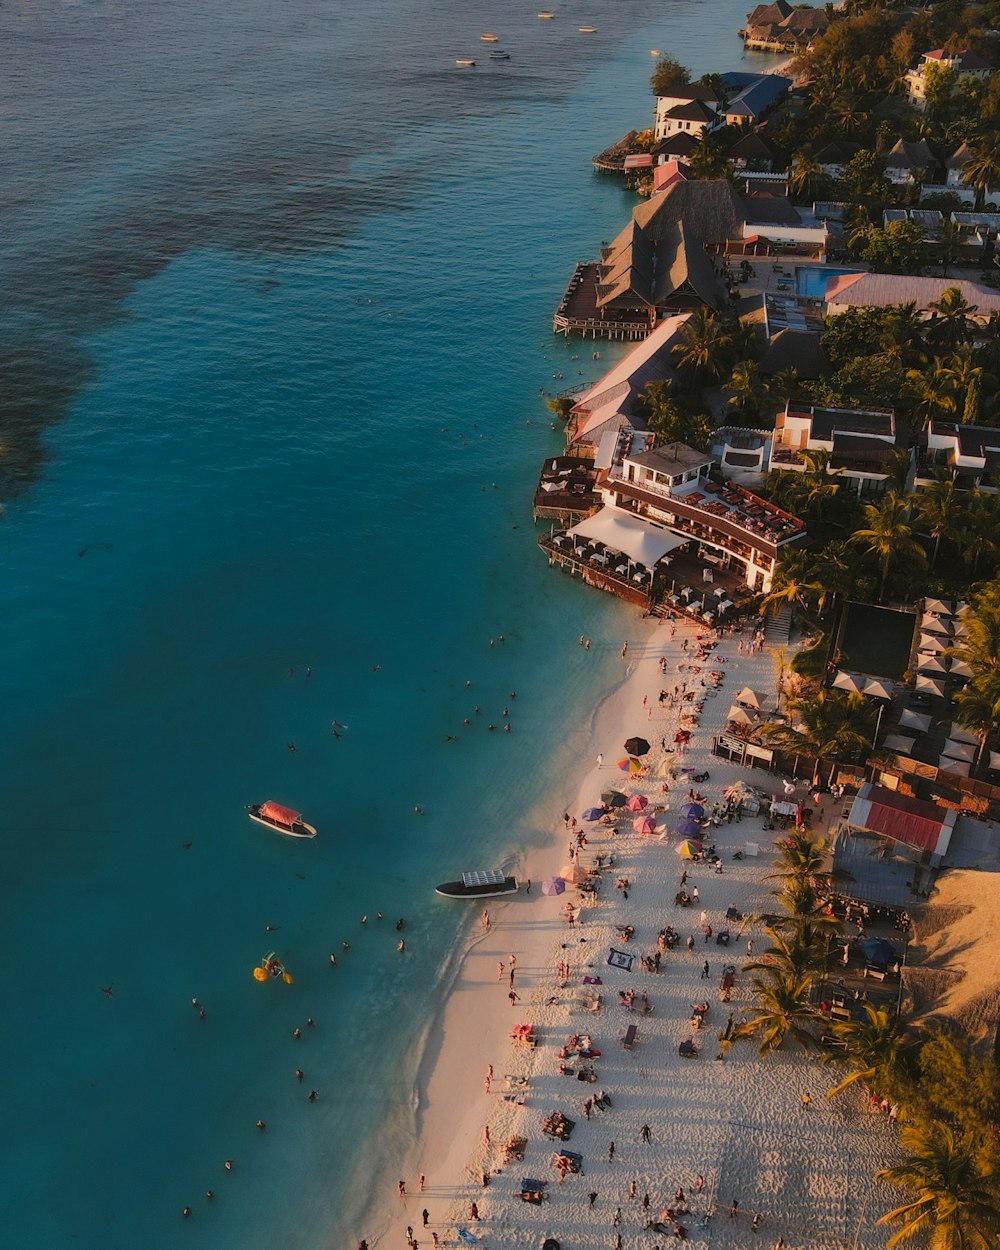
(817, 481)
(961, 371)
(871, 1047)
(789, 957)
(982, 169)
(705, 346)
(888, 536)
(952, 1199)
(794, 581)
(829, 725)
(931, 392)
(802, 857)
(746, 391)
(805, 173)
(782, 1010)
(937, 508)
(902, 335)
(951, 323)
(784, 385)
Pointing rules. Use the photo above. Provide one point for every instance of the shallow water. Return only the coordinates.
(285, 279)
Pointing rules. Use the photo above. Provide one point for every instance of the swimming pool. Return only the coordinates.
(811, 280)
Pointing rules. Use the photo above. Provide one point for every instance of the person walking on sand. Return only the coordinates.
(401, 1186)
(704, 971)
(486, 1134)
(734, 1209)
(611, 1151)
(644, 1132)
(749, 947)
(514, 997)
(806, 1101)
(592, 1197)
(699, 1183)
(425, 1215)
(690, 942)
(500, 970)
(631, 1190)
(423, 1179)
(486, 919)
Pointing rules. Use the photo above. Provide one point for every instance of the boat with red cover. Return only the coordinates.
(280, 819)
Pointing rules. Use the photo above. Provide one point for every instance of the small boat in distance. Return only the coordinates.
(498, 55)
(465, 62)
(587, 30)
(546, 15)
(485, 884)
(489, 37)
(280, 819)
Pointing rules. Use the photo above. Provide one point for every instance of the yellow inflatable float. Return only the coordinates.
(270, 968)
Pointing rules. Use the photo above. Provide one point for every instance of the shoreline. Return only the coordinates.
(739, 1124)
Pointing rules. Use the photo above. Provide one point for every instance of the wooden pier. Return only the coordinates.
(578, 312)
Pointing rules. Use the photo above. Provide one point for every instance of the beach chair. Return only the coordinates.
(532, 1191)
(629, 1036)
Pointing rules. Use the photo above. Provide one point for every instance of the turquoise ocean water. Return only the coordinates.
(285, 277)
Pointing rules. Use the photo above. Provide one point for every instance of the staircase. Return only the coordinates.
(779, 626)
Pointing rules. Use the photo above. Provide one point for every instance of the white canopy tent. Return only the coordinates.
(959, 668)
(931, 685)
(959, 751)
(740, 715)
(900, 743)
(878, 688)
(931, 664)
(932, 624)
(752, 698)
(959, 733)
(644, 542)
(920, 721)
(938, 606)
(849, 681)
(932, 642)
(954, 766)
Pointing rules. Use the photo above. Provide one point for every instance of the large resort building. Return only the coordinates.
(862, 446)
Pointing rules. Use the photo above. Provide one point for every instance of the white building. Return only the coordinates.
(965, 66)
(861, 443)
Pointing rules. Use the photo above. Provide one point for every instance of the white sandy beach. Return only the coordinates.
(738, 1122)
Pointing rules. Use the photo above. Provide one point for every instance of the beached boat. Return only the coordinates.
(465, 62)
(485, 884)
(280, 819)
(489, 37)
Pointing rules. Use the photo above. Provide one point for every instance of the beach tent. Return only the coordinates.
(644, 824)
(959, 733)
(878, 951)
(740, 715)
(959, 750)
(931, 685)
(751, 698)
(933, 643)
(938, 607)
(878, 688)
(920, 721)
(689, 848)
(930, 664)
(849, 681)
(637, 802)
(900, 743)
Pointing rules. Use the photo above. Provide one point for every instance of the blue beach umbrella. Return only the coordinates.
(594, 813)
(878, 951)
(689, 829)
(692, 811)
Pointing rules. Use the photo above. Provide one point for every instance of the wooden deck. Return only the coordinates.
(578, 312)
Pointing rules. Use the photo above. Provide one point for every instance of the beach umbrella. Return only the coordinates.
(574, 874)
(644, 824)
(666, 769)
(553, 885)
(594, 813)
(613, 798)
(692, 811)
(637, 746)
(630, 765)
(637, 802)
(878, 950)
(689, 848)
(849, 681)
(689, 828)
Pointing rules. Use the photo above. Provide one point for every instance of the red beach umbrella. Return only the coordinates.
(637, 803)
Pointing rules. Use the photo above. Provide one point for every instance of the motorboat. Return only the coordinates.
(280, 819)
(499, 55)
(587, 30)
(465, 62)
(546, 15)
(489, 37)
(484, 884)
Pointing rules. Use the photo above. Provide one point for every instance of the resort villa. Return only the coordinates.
(960, 67)
(912, 827)
(697, 109)
(970, 454)
(779, 27)
(862, 444)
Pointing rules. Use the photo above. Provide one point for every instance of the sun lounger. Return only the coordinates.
(629, 1036)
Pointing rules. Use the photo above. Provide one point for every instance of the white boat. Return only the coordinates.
(489, 37)
(498, 55)
(587, 30)
(280, 819)
(546, 15)
(465, 62)
(484, 884)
